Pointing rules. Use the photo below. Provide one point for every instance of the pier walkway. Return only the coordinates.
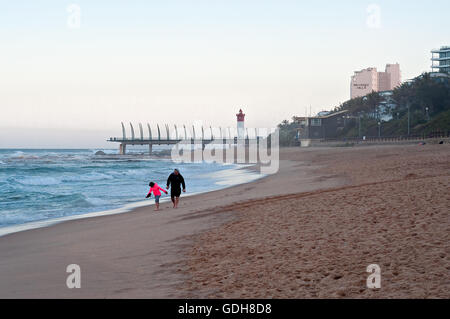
(177, 138)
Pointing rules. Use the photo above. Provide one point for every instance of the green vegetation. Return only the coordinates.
(288, 133)
(426, 99)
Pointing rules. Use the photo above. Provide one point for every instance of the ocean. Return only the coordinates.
(49, 185)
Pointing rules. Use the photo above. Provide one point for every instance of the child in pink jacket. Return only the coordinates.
(157, 192)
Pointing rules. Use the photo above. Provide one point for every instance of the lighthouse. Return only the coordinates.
(240, 125)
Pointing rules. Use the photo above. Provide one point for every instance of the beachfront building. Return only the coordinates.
(364, 82)
(321, 126)
(370, 80)
(440, 59)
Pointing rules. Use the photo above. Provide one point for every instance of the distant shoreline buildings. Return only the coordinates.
(440, 60)
(328, 124)
(370, 80)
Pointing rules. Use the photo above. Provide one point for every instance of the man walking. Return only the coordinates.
(175, 181)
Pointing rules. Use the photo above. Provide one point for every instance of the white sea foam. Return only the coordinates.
(17, 153)
(97, 201)
(38, 180)
(87, 177)
(42, 181)
(235, 176)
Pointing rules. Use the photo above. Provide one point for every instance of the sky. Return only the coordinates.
(72, 71)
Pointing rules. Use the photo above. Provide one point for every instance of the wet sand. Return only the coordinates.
(308, 231)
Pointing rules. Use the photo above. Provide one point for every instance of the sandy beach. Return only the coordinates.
(309, 231)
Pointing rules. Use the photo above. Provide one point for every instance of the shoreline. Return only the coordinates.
(126, 208)
(272, 238)
(134, 255)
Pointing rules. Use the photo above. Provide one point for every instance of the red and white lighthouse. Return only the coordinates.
(240, 124)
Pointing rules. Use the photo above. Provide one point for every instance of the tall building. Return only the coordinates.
(364, 82)
(384, 81)
(396, 75)
(440, 59)
(370, 80)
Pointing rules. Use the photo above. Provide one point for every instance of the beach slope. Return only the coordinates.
(308, 231)
(393, 211)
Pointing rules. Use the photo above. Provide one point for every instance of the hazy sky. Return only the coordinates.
(64, 84)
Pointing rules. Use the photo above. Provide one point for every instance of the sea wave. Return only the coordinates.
(43, 181)
(87, 177)
(107, 152)
(38, 181)
(97, 201)
(78, 200)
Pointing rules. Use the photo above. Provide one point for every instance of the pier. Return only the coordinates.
(157, 139)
